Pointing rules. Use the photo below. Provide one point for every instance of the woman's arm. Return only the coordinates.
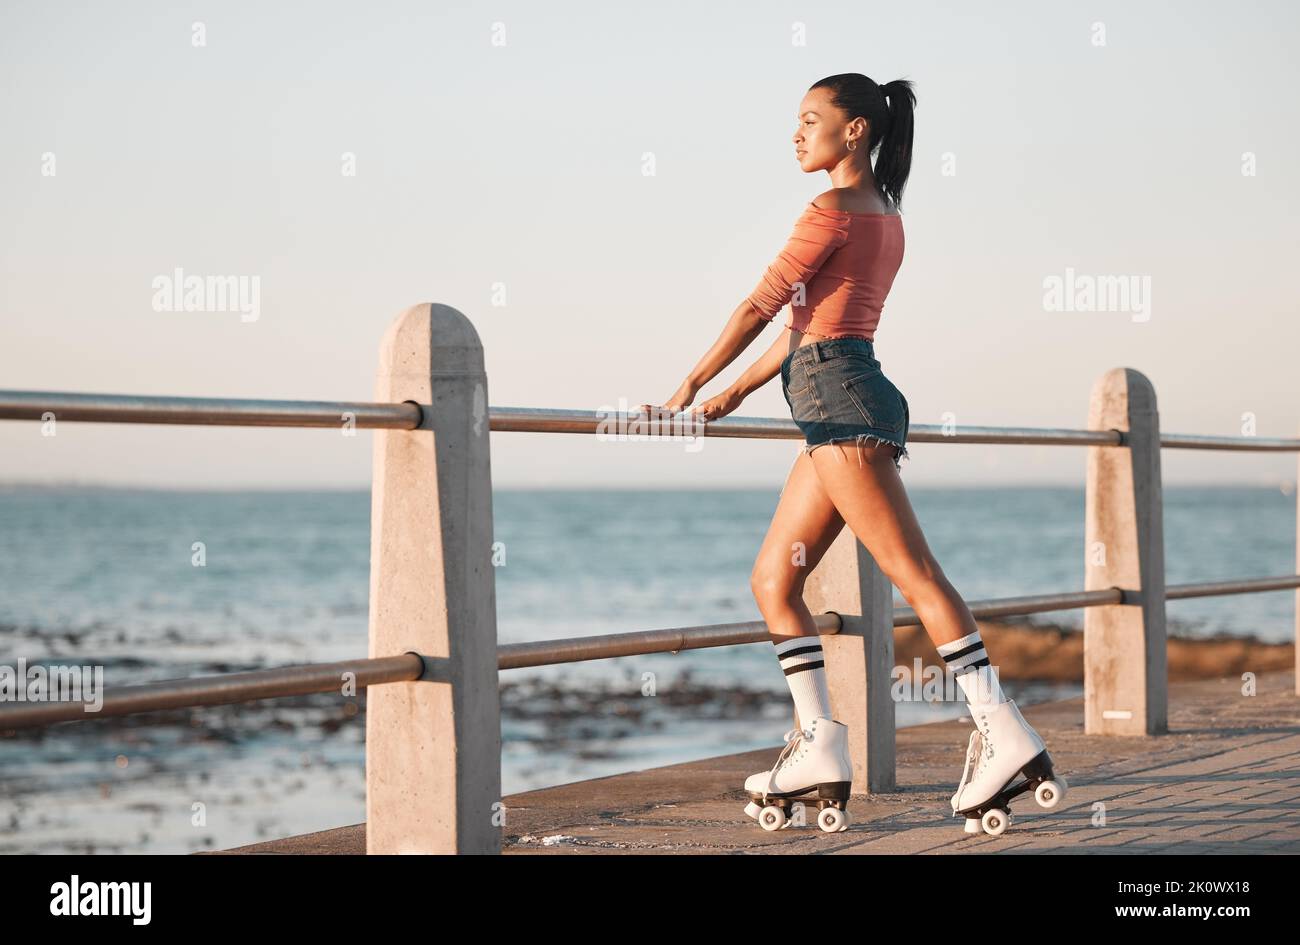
(765, 368)
(810, 244)
(758, 374)
(741, 329)
(814, 239)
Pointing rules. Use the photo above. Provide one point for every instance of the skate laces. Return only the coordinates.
(793, 739)
(797, 734)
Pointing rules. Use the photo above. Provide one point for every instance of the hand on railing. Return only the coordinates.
(680, 400)
(711, 409)
(719, 406)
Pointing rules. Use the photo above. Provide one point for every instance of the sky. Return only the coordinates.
(597, 186)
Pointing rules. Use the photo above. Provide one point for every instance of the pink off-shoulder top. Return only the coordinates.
(834, 272)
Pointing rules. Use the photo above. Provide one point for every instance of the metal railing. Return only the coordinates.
(203, 411)
(1123, 504)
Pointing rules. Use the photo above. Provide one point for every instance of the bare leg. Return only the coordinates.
(868, 494)
(804, 526)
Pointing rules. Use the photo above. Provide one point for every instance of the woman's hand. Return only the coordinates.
(719, 406)
(680, 400)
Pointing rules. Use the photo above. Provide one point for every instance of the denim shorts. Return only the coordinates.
(837, 392)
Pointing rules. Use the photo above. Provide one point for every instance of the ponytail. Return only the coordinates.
(894, 162)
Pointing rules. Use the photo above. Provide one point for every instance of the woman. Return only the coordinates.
(835, 273)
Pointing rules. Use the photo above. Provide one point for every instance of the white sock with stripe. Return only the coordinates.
(801, 661)
(969, 662)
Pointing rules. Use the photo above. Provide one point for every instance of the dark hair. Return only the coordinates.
(891, 124)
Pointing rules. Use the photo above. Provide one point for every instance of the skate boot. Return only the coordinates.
(815, 759)
(1002, 747)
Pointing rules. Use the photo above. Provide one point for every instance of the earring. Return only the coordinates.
(852, 146)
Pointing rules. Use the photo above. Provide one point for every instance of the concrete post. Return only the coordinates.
(433, 746)
(860, 658)
(1124, 647)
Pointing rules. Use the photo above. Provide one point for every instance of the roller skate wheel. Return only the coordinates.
(771, 818)
(1049, 794)
(752, 810)
(996, 822)
(833, 820)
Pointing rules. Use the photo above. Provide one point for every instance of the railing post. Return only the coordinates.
(433, 748)
(860, 658)
(1125, 672)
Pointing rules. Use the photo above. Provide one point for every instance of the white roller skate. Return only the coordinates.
(813, 759)
(1002, 747)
